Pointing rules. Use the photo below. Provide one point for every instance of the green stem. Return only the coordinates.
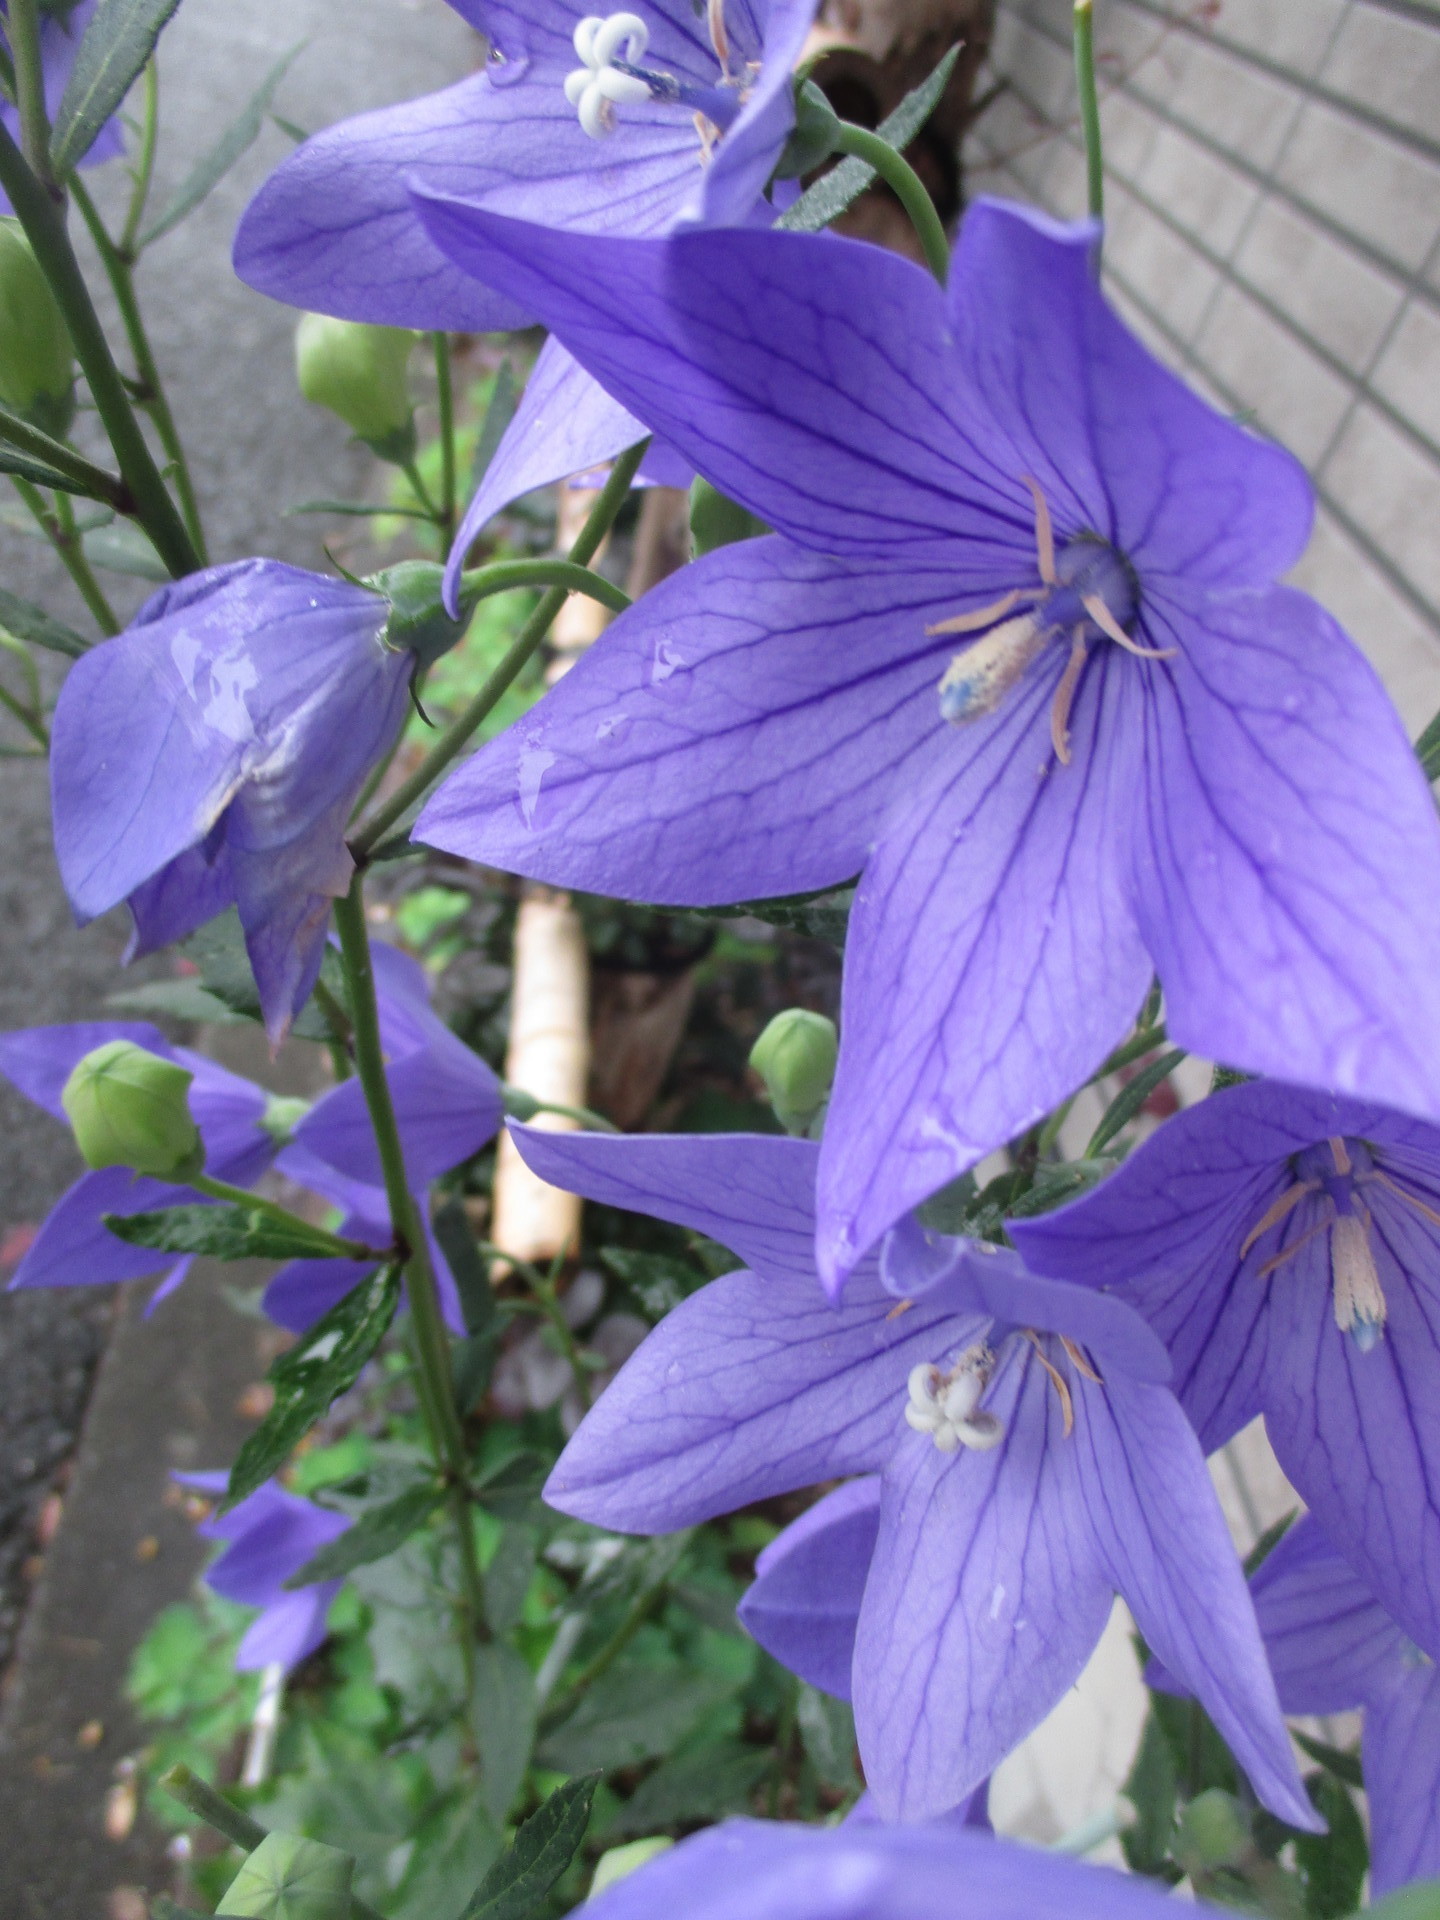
(547, 1298)
(523, 1106)
(503, 576)
(118, 265)
(445, 388)
(23, 31)
(457, 735)
(226, 1818)
(257, 1203)
(909, 189)
(420, 490)
(432, 1345)
(91, 480)
(60, 530)
(31, 722)
(144, 169)
(45, 230)
(1089, 106)
(640, 1611)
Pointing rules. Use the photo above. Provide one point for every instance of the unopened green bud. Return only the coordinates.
(418, 620)
(287, 1878)
(37, 362)
(716, 521)
(795, 1057)
(129, 1109)
(283, 1114)
(1213, 1832)
(814, 136)
(359, 372)
(622, 1861)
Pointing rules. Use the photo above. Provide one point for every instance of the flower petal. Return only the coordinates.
(986, 1597)
(808, 377)
(1116, 441)
(1288, 853)
(804, 1604)
(74, 1249)
(289, 1629)
(39, 1060)
(992, 959)
(1164, 1542)
(446, 1108)
(739, 735)
(1401, 1747)
(749, 1388)
(1330, 1643)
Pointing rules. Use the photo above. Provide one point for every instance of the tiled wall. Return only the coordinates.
(1274, 230)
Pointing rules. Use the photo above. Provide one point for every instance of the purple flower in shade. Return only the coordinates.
(61, 30)
(74, 1248)
(211, 754)
(1286, 1248)
(766, 1870)
(1333, 1647)
(700, 106)
(447, 1105)
(996, 510)
(270, 1535)
(1031, 1463)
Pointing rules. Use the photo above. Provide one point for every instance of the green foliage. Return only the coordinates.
(119, 40)
(374, 1536)
(25, 621)
(287, 1878)
(222, 1232)
(544, 1847)
(212, 167)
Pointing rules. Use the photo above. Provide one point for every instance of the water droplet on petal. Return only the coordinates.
(535, 763)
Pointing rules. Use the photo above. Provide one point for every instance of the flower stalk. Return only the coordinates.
(58, 526)
(1089, 107)
(898, 174)
(23, 24)
(445, 391)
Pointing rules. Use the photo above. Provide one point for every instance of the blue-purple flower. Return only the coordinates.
(211, 755)
(1332, 1648)
(1286, 1248)
(1032, 1464)
(627, 123)
(1017, 654)
(766, 1870)
(269, 1536)
(62, 28)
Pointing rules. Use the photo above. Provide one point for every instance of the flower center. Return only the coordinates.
(610, 76)
(947, 1405)
(1088, 592)
(1335, 1175)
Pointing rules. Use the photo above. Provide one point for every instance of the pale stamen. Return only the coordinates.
(1079, 1360)
(1278, 1212)
(1340, 1154)
(977, 680)
(1044, 534)
(982, 616)
(1403, 1193)
(719, 39)
(1112, 629)
(947, 1405)
(1278, 1260)
(1359, 1298)
(1057, 1380)
(1065, 699)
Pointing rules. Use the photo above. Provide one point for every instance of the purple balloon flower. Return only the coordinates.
(271, 1534)
(263, 696)
(627, 124)
(62, 28)
(1286, 1248)
(1031, 1463)
(74, 1247)
(765, 1870)
(447, 1105)
(1333, 1647)
(1018, 655)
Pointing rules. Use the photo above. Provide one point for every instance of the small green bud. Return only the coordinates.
(716, 521)
(621, 1861)
(1213, 1832)
(813, 137)
(129, 1109)
(359, 372)
(283, 1114)
(418, 620)
(795, 1057)
(287, 1878)
(37, 362)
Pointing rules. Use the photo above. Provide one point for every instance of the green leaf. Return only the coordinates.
(504, 398)
(705, 1783)
(1052, 1186)
(381, 1531)
(222, 1232)
(1334, 1863)
(325, 1362)
(1427, 750)
(454, 1845)
(25, 467)
(1268, 1541)
(827, 1728)
(544, 1847)
(287, 1878)
(25, 621)
(472, 1278)
(508, 1576)
(218, 950)
(212, 168)
(1345, 1766)
(356, 509)
(503, 1710)
(632, 1712)
(658, 1281)
(179, 1000)
(1131, 1098)
(511, 1490)
(122, 548)
(843, 185)
(119, 40)
(1418, 1902)
(1152, 1789)
(820, 916)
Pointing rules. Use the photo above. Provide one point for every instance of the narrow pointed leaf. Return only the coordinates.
(374, 1536)
(544, 1847)
(1131, 1098)
(24, 467)
(25, 621)
(118, 41)
(237, 138)
(222, 1233)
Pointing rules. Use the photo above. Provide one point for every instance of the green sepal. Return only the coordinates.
(418, 622)
(287, 1878)
(716, 521)
(812, 138)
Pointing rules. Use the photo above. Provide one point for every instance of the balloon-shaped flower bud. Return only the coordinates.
(130, 1108)
(359, 373)
(37, 363)
(795, 1057)
(418, 621)
(287, 1878)
(815, 135)
(1214, 1832)
(716, 521)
